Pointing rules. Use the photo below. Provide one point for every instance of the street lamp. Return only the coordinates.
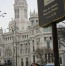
(2, 14)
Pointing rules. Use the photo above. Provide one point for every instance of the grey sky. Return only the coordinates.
(7, 6)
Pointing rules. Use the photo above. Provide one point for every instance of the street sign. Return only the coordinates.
(50, 11)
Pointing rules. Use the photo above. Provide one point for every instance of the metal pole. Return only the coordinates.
(13, 52)
(55, 44)
(16, 53)
(16, 42)
(13, 46)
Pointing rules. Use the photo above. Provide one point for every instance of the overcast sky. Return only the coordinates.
(7, 6)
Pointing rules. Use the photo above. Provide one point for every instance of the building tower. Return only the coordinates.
(20, 16)
(20, 9)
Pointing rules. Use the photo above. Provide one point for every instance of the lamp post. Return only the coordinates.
(14, 41)
(15, 28)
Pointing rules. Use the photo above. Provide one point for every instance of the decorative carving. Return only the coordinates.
(8, 52)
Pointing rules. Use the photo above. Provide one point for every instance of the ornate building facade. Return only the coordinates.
(18, 45)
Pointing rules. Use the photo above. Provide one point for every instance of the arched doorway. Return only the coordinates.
(8, 57)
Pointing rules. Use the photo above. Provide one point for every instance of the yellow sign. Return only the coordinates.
(46, 2)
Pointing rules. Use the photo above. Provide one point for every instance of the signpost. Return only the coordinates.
(51, 12)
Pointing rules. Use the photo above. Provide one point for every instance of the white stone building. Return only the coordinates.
(24, 36)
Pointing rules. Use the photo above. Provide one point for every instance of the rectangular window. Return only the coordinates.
(27, 36)
(20, 51)
(25, 13)
(38, 42)
(26, 50)
(14, 50)
(22, 64)
(59, 45)
(0, 53)
(32, 41)
(46, 57)
(22, 36)
(17, 13)
(33, 58)
(52, 58)
(37, 30)
(26, 61)
(33, 48)
(48, 44)
(32, 21)
(60, 60)
(8, 38)
(47, 29)
(44, 38)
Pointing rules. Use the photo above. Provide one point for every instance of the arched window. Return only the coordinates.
(8, 52)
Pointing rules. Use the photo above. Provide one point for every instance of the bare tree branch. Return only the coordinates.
(40, 53)
(61, 35)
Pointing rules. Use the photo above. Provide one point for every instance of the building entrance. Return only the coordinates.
(8, 62)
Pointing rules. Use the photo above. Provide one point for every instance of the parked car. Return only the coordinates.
(49, 64)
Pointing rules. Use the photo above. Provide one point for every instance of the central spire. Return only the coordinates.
(20, 9)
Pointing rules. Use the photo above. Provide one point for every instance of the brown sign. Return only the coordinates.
(50, 11)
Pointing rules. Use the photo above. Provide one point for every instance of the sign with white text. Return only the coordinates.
(50, 11)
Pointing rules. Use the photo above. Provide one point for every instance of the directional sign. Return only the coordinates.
(50, 11)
